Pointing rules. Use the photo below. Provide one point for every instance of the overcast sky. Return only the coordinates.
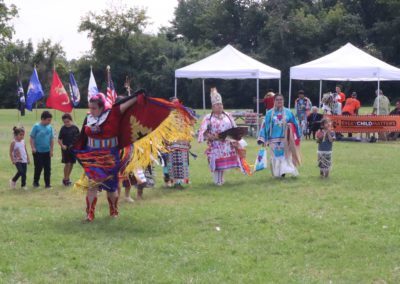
(58, 20)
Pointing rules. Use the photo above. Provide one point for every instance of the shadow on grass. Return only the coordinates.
(106, 227)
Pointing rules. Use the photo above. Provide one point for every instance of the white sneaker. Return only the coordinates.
(24, 188)
(12, 184)
(129, 199)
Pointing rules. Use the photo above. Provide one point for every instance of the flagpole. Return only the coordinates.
(108, 80)
(128, 85)
(19, 107)
(108, 75)
(55, 111)
(19, 99)
(34, 68)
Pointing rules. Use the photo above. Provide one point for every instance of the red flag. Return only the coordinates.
(58, 98)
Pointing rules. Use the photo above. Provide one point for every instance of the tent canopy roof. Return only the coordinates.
(228, 63)
(348, 63)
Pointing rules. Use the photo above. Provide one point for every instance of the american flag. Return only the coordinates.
(111, 93)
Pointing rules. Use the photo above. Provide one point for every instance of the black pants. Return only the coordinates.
(313, 131)
(42, 161)
(21, 172)
(393, 135)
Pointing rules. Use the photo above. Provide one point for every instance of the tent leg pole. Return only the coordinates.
(176, 87)
(280, 86)
(258, 105)
(320, 93)
(379, 93)
(204, 96)
(290, 91)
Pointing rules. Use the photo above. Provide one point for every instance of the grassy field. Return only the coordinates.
(345, 229)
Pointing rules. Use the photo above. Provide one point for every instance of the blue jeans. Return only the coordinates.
(21, 172)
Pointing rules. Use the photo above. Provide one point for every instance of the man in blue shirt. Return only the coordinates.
(42, 142)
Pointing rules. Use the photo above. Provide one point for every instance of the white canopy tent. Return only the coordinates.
(228, 63)
(348, 63)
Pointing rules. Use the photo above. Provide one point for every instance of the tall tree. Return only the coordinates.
(118, 40)
(7, 13)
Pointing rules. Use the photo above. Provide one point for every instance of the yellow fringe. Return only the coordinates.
(82, 184)
(175, 127)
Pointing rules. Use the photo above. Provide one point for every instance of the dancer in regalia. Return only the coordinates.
(302, 105)
(325, 138)
(282, 133)
(124, 139)
(100, 157)
(176, 161)
(222, 154)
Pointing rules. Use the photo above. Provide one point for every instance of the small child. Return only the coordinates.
(19, 157)
(68, 135)
(325, 138)
(42, 142)
(176, 161)
(140, 179)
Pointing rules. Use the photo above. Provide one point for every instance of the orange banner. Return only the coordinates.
(365, 123)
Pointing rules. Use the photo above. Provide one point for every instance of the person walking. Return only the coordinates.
(19, 157)
(42, 143)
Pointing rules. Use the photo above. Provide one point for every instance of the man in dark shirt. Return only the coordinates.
(314, 121)
(396, 111)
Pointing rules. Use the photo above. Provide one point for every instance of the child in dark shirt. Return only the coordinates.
(325, 138)
(69, 133)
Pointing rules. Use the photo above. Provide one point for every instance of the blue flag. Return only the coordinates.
(74, 90)
(35, 91)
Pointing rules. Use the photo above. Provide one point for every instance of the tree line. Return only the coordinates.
(278, 33)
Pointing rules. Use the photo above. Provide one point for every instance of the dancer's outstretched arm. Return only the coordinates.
(125, 105)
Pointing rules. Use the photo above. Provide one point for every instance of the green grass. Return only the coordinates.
(299, 230)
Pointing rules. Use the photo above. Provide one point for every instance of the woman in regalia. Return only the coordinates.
(222, 154)
(282, 133)
(100, 156)
(124, 139)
